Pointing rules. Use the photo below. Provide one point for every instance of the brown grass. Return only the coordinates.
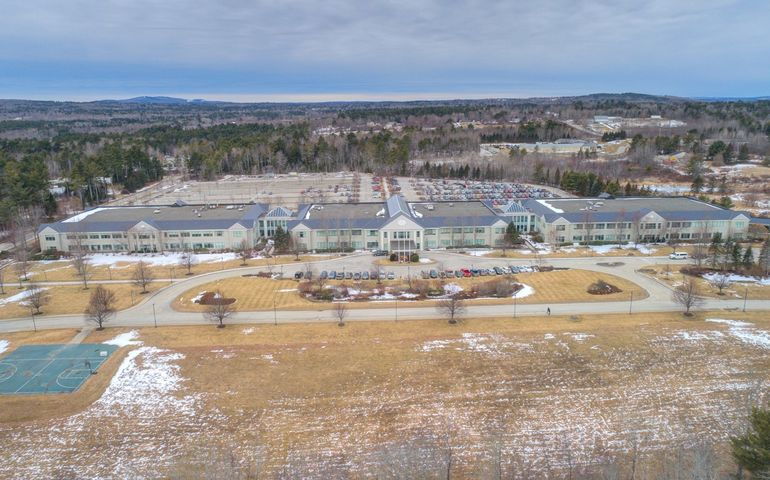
(73, 299)
(673, 277)
(558, 286)
(660, 250)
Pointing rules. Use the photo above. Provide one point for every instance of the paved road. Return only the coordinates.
(158, 305)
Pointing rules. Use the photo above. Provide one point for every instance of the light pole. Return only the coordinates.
(631, 303)
(154, 317)
(275, 314)
(396, 300)
(514, 304)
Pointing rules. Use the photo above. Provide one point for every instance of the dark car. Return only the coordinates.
(475, 272)
(374, 275)
(365, 276)
(380, 253)
(356, 276)
(348, 275)
(498, 270)
(433, 274)
(324, 275)
(458, 273)
(298, 275)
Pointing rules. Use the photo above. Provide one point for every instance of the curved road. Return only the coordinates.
(158, 304)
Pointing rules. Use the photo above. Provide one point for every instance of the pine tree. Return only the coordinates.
(715, 249)
(748, 258)
(752, 450)
(764, 257)
(736, 254)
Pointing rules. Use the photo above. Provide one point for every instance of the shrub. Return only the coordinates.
(414, 258)
(600, 287)
(393, 257)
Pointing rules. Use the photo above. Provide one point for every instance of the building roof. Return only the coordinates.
(578, 210)
(190, 217)
(342, 215)
(441, 214)
(396, 204)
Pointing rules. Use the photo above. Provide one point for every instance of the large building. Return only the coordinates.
(395, 225)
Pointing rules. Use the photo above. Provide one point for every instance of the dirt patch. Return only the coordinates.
(600, 287)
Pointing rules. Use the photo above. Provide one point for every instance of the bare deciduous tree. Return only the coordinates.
(244, 252)
(22, 265)
(142, 276)
(688, 295)
(37, 298)
(2, 281)
(219, 310)
(188, 261)
(82, 266)
(101, 306)
(341, 312)
(722, 281)
(451, 307)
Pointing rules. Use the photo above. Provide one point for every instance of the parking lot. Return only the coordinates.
(499, 193)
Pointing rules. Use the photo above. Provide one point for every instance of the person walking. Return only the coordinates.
(548, 311)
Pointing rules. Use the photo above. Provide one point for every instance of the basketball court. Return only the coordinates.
(37, 369)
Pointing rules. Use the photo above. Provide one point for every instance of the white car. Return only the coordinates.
(678, 256)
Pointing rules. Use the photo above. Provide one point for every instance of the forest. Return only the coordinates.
(97, 146)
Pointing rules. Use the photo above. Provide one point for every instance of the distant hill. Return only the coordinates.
(153, 100)
(733, 99)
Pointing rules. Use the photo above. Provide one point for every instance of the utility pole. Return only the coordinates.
(514, 305)
(396, 308)
(275, 314)
(631, 303)
(154, 317)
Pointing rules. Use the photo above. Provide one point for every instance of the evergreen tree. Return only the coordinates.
(748, 258)
(736, 254)
(511, 234)
(764, 257)
(752, 450)
(715, 249)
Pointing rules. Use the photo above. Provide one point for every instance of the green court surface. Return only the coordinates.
(35, 369)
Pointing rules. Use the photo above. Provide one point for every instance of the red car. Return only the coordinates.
(466, 272)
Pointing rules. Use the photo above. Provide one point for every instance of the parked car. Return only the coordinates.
(357, 276)
(348, 275)
(424, 274)
(309, 275)
(380, 253)
(467, 273)
(365, 276)
(475, 272)
(498, 270)
(433, 274)
(678, 256)
(332, 275)
(442, 274)
(298, 275)
(458, 273)
(374, 275)
(382, 273)
(391, 276)
(324, 274)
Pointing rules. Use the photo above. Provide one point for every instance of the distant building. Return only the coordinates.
(394, 225)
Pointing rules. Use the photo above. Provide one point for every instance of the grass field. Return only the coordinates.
(63, 270)
(670, 275)
(73, 299)
(559, 286)
(384, 399)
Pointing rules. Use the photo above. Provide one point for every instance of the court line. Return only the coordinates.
(35, 375)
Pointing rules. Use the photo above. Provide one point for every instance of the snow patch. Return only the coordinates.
(125, 339)
(745, 332)
(525, 291)
(4, 344)
(17, 298)
(248, 331)
(156, 260)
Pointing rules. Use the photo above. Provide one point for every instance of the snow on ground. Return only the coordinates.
(157, 259)
(144, 392)
(17, 298)
(199, 297)
(746, 332)
(670, 189)
(452, 288)
(425, 260)
(579, 337)
(734, 278)
(605, 249)
(4, 344)
(525, 291)
(478, 253)
(125, 339)
(248, 331)
(490, 344)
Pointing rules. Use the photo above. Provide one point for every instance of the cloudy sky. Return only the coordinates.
(399, 49)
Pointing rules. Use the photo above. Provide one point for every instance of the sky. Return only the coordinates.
(300, 50)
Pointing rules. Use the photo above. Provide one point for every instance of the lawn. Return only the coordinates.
(64, 299)
(670, 275)
(526, 397)
(559, 286)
